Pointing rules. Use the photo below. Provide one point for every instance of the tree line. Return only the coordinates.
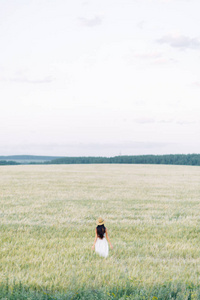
(6, 162)
(171, 159)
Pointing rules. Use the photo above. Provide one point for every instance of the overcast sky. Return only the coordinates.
(99, 77)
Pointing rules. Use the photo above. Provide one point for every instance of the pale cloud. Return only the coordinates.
(47, 79)
(96, 21)
(180, 41)
(141, 24)
(25, 75)
(84, 3)
(164, 60)
(166, 121)
(155, 58)
(144, 120)
(26, 79)
(185, 122)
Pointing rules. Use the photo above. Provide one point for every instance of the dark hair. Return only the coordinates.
(101, 229)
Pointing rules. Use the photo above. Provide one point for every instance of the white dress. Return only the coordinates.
(101, 246)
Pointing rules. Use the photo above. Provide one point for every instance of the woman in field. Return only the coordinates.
(101, 239)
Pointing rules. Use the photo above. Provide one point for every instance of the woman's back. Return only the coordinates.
(101, 230)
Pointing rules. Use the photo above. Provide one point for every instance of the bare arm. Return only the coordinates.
(111, 246)
(95, 239)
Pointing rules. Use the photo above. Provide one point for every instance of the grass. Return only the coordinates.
(131, 292)
(47, 228)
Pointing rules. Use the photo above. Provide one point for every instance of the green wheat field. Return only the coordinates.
(48, 216)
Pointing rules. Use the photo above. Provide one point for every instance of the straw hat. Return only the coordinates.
(100, 221)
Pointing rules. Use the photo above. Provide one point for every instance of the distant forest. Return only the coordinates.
(171, 159)
(8, 162)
